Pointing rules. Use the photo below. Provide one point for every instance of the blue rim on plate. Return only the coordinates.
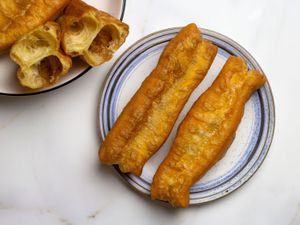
(264, 110)
(123, 7)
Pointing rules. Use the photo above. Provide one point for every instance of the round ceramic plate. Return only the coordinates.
(9, 85)
(253, 137)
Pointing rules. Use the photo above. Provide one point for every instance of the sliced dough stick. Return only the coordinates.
(206, 132)
(148, 118)
(18, 17)
(42, 62)
(91, 33)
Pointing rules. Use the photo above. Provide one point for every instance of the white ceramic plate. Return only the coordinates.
(253, 137)
(9, 85)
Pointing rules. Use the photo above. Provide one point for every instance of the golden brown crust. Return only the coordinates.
(17, 17)
(148, 118)
(90, 33)
(206, 133)
(39, 56)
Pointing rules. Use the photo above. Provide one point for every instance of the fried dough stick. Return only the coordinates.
(91, 33)
(148, 118)
(206, 132)
(18, 17)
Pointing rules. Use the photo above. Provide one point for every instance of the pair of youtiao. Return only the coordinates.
(206, 132)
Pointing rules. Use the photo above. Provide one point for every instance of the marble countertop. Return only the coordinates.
(49, 171)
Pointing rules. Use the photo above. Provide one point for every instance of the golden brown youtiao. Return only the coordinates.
(206, 132)
(17, 17)
(39, 56)
(148, 118)
(90, 33)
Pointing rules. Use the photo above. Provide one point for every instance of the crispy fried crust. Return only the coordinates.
(17, 17)
(40, 58)
(206, 133)
(90, 33)
(148, 118)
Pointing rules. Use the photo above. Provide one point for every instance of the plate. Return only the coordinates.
(9, 84)
(253, 137)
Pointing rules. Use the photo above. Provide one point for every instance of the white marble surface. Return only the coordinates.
(49, 171)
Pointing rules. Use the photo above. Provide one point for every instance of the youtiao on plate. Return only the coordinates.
(148, 118)
(206, 132)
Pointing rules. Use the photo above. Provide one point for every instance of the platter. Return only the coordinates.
(253, 137)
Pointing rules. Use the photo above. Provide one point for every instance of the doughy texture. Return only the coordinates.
(90, 33)
(206, 133)
(39, 56)
(17, 17)
(148, 118)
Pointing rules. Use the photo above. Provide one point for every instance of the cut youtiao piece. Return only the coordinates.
(40, 58)
(18, 17)
(90, 33)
